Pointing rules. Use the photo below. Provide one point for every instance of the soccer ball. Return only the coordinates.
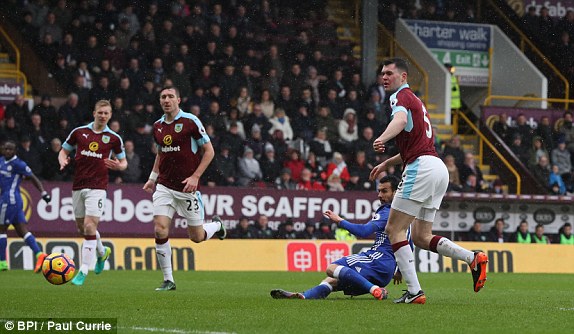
(58, 268)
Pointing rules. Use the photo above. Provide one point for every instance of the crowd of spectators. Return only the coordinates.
(497, 233)
(281, 98)
(546, 151)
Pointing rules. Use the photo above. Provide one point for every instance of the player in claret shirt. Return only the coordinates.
(422, 187)
(95, 145)
(184, 151)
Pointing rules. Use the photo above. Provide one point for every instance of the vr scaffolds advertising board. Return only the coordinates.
(464, 45)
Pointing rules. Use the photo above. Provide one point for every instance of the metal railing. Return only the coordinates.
(15, 74)
(525, 41)
(483, 140)
(489, 99)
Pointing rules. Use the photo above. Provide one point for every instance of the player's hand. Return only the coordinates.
(397, 278)
(333, 216)
(46, 197)
(190, 184)
(377, 170)
(379, 145)
(149, 186)
(112, 164)
(64, 162)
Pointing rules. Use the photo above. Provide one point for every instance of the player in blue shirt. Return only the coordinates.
(12, 171)
(366, 272)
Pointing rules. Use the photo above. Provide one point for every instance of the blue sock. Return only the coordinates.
(350, 278)
(3, 245)
(321, 291)
(31, 242)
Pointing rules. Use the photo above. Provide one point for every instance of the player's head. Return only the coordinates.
(102, 112)
(395, 72)
(169, 99)
(388, 184)
(8, 149)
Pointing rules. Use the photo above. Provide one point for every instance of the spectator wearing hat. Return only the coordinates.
(284, 180)
(280, 122)
(248, 169)
(308, 232)
(255, 142)
(321, 147)
(223, 170)
(348, 130)
(561, 157)
(270, 165)
(286, 230)
(338, 167)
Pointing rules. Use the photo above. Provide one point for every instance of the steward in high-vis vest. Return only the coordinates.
(455, 102)
(566, 237)
(539, 237)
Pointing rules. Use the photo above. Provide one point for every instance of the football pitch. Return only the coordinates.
(239, 302)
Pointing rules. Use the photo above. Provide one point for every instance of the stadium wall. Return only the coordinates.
(292, 255)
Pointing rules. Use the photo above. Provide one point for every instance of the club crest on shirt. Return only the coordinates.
(9, 168)
(93, 146)
(105, 139)
(178, 127)
(167, 140)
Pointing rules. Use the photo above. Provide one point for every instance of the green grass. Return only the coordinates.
(239, 302)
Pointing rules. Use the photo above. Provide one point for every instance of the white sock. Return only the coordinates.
(210, 229)
(327, 285)
(163, 252)
(99, 246)
(448, 248)
(88, 255)
(406, 262)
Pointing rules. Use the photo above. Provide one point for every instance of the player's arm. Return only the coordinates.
(64, 158)
(378, 169)
(150, 183)
(36, 182)
(393, 129)
(360, 230)
(192, 181)
(116, 164)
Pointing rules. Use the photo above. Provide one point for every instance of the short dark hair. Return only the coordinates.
(400, 63)
(171, 87)
(393, 180)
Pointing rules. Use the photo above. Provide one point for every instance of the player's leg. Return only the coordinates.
(163, 213)
(423, 238)
(320, 291)
(30, 240)
(192, 209)
(102, 254)
(3, 246)
(351, 280)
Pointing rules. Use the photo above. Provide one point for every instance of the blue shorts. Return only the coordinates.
(377, 268)
(12, 214)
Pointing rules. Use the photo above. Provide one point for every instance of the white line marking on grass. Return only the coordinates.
(566, 309)
(170, 330)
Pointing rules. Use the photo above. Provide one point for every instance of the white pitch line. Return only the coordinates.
(566, 309)
(171, 330)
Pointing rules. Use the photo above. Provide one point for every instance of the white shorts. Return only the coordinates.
(166, 202)
(88, 202)
(422, 187)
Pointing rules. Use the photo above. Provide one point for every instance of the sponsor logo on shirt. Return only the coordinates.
(167, 140)
(166, 149)
(93, 146)
(91, 154)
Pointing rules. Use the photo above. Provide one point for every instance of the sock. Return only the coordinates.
(350, 278)
(163, 252)
(210, 229)
(445, 247)
(321, 291)
(406, 262)
(3, 246)
(100, 250)
(88, 253)
(31, 242)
